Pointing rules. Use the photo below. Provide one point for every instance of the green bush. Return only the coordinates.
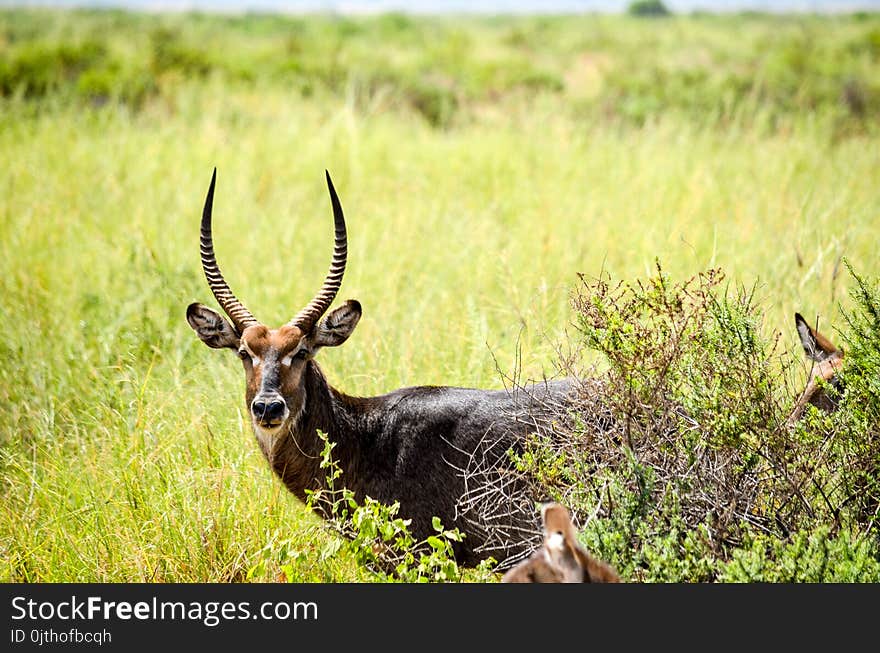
(819, 556)
(38, 69)
(647, 8)
(102, 85)
(436, 103)
(170, 54)
(682, 448)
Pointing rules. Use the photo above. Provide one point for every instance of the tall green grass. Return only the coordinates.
(125, 453)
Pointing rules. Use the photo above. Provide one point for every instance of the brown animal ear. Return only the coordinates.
(557, 518)
(336, 326)
(816, 346)
(211, 327)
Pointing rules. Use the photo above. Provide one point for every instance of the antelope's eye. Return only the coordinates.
(243, 355)
(287, 361)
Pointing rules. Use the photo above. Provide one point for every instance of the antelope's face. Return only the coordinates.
(274, 360)
(823, 387)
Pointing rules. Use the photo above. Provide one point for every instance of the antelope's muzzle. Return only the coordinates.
(269, 411)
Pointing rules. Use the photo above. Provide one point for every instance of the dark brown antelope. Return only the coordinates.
(561, 559)
(823, 386)
(413, 445)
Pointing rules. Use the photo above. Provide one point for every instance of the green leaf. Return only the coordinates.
(436, 543)
(453, 536)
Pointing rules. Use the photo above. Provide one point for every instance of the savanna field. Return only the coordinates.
(484, 163)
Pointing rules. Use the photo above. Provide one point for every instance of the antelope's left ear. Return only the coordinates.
(336, 326)
(211, 327)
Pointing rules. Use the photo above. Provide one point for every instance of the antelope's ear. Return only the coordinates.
(816, 346)
(336, 326)
(211, 327)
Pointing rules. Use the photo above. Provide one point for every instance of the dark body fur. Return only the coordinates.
(411, 446)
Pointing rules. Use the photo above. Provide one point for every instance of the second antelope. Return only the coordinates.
(823, 387)
(413, 445)
(561, 559)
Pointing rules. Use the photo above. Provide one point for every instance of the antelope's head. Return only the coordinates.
(274, 360)
(823, 388)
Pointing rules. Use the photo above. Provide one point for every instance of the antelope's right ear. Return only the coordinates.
(211, 327)
(816, 346)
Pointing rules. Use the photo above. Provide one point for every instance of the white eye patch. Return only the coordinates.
(254, 358)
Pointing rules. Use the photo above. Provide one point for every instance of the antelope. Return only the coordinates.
(408, 446)
(561, 559)
(823, 386)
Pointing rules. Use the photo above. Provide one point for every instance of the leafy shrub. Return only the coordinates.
(682, 448)
(806, 557)
(855, 427)
(436, 103)
(38, 69)
(101, 85)
(169, 54)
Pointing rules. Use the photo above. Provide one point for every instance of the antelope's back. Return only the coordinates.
(444, 451)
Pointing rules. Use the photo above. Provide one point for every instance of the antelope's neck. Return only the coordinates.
(295, 455)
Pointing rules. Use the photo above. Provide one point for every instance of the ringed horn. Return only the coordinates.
(241, 317)
(308, 316)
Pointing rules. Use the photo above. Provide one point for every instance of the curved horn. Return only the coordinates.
(308, 316)
(241, 317)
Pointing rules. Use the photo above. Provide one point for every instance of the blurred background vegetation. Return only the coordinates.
(483, 162)
(706, 69)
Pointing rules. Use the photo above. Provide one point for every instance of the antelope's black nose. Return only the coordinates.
(268, 411)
